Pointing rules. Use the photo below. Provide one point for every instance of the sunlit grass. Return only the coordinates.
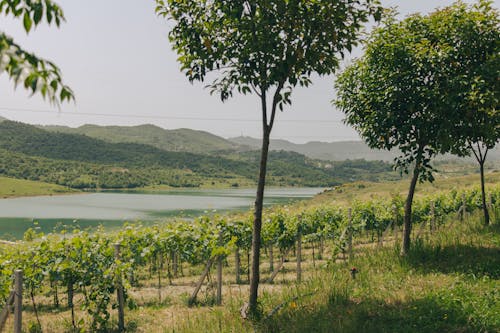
(10, 187)
(362, 191)
(447, 283)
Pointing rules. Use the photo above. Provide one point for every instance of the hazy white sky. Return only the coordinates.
(116, 57)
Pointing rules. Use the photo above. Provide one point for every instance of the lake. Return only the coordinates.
(112, 209)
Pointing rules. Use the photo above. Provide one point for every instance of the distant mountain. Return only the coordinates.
(345, 150)
(2, 119)
(179, 140)
(333, 151)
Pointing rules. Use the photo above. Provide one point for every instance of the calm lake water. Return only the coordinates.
(112, 209)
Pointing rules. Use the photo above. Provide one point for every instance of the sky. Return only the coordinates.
(116, 57)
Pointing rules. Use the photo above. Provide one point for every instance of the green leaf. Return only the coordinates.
(38, 14)
(27, 22)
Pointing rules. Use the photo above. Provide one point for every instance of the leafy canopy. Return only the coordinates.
(35, 74)
(475, 74)
(256, 45)
(406, 90)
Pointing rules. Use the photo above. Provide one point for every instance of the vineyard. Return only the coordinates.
(86, 269)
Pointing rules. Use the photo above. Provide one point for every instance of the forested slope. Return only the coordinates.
(79, 161)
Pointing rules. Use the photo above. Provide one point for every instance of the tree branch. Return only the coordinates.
(275, 103)
(474, 151)
(255, 90)
(480, 152)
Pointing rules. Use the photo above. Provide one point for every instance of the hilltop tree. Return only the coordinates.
(475, 78)
(35, 74)
(267, 48)
(402, 93)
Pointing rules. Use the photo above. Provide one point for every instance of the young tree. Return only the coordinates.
(401, 93)
(34, 73)
(475, 77)
(266, 47)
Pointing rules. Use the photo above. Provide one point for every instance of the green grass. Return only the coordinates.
(347, 193)
(448, 283)
(10, 187)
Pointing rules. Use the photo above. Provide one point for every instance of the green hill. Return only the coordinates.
(179, 140)
(80, 161)
(84, 175)
(29, 140)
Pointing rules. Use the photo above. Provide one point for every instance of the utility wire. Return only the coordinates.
(164, 117)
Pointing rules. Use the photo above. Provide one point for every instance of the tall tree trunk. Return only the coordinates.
(483, 194)
(257, 224)
(407, 219)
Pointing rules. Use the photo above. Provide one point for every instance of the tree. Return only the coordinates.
(400, 93)
(266, 47)
(36, 74)
(475, 31)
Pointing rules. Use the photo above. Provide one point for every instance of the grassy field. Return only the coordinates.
(10, 188)
(360, 191)
(448, 283)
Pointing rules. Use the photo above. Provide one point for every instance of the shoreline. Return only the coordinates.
(40, 195)
(147, 190)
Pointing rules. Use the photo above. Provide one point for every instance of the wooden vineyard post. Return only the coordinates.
(396, 231)
(70, 302)
(280, 266)
(421, 229)
(192, 299)
(299, 255)
(237, 264)
(18, 301)
(349, 235)
(6, 310)
(175, 264)
(321, 247)
(433, 217)
(248, 265)
(374, 213)
(271, 258)
(219, 273)
(464, 206)
(120, 294)
(384, 234)
(491, 208)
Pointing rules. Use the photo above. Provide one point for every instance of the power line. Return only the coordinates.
(137, 116)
